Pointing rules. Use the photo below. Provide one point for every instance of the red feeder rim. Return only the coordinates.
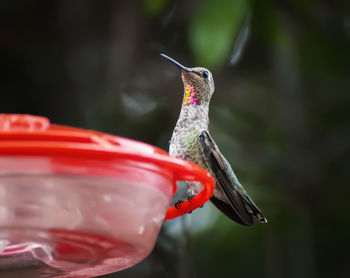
(34, 135)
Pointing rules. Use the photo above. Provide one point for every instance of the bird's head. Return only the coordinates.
(198, 83)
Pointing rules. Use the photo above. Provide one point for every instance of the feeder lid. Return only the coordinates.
(34, 135)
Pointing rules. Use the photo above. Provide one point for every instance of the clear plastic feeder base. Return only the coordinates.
(78, 224)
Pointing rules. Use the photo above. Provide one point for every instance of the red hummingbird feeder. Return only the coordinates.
(79, 203)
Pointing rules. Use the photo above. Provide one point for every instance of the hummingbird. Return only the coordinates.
(191, 141)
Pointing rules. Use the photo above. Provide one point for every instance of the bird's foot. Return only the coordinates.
(177, 204)
(190, 197)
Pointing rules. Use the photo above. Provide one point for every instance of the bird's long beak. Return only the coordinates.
(176, 63)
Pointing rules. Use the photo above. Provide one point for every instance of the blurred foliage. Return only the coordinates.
(155, 7)
(280, 115)
(213, 29)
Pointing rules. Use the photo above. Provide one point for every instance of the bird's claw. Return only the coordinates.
(177, 204)
(190, 197)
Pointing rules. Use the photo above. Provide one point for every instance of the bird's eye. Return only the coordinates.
(205, 74)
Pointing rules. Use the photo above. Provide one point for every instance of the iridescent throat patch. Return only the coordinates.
(190, 96)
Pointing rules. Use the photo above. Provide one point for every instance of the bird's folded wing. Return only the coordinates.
(225, 177)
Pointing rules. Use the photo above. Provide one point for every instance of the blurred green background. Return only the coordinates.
(280, 113)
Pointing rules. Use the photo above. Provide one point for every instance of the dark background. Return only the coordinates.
(280, 113)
